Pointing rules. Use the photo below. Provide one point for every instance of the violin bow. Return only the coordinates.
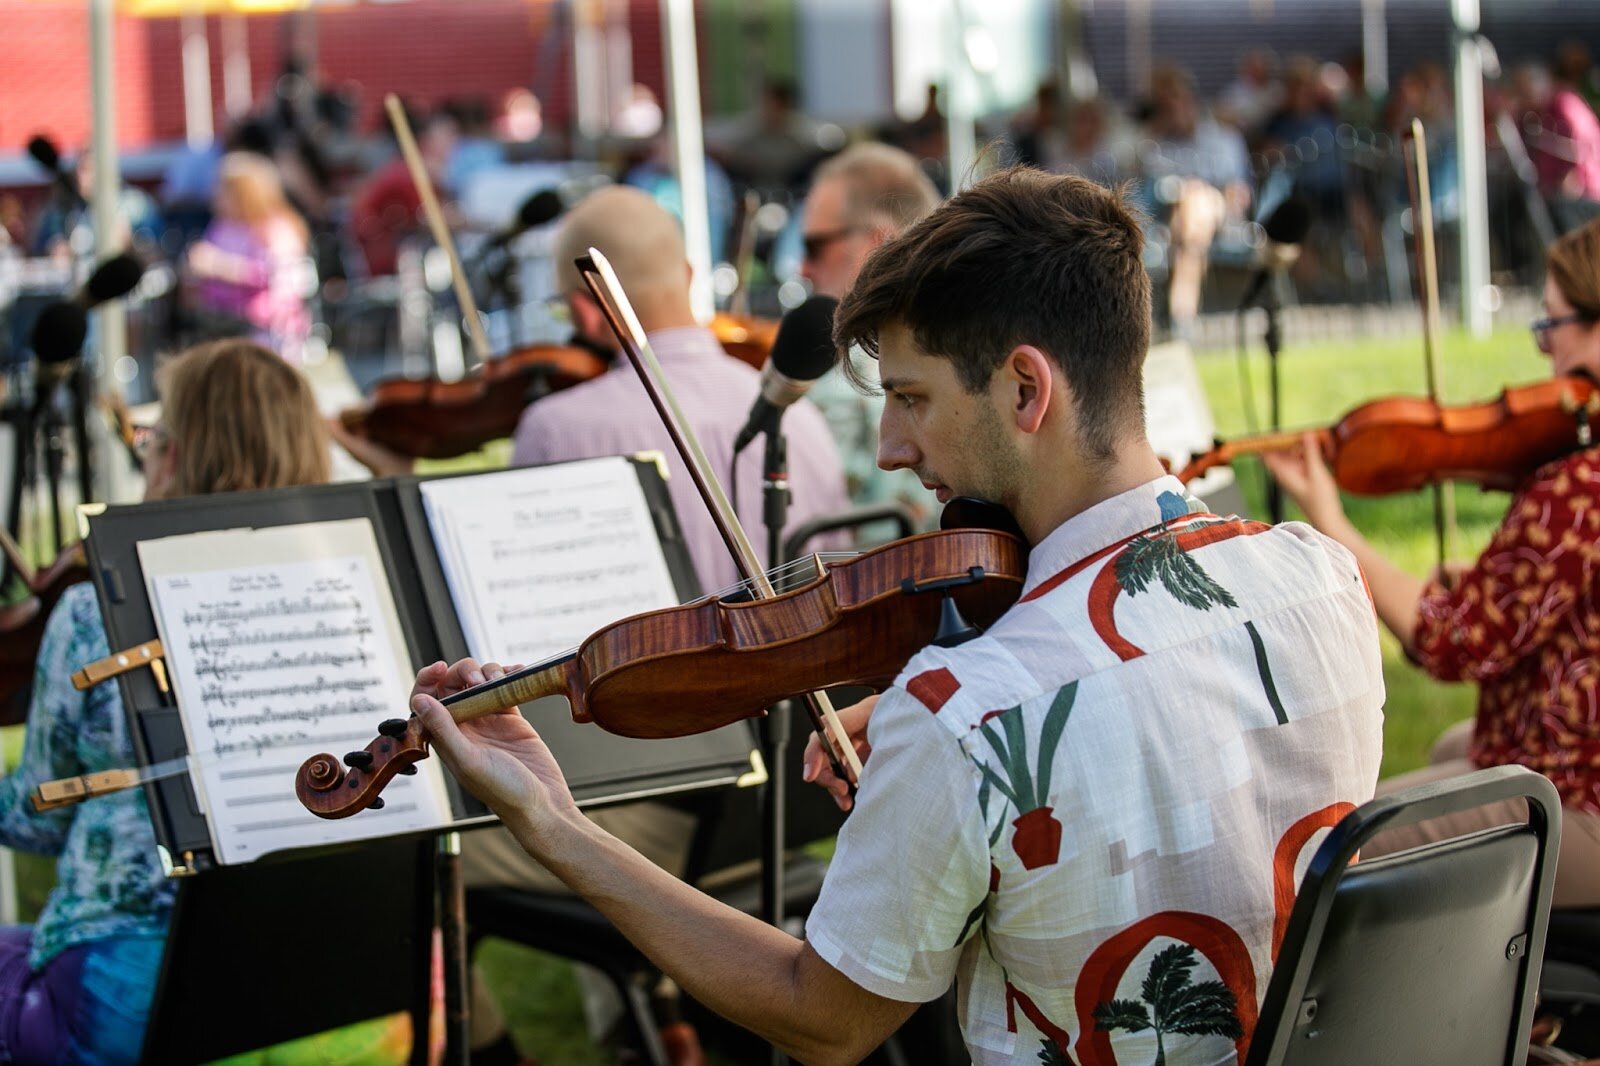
(1417, 184)
(441, 232)
(619, 313)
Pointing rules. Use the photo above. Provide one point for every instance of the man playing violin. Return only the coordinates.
(1120, 777)
(1523, 621)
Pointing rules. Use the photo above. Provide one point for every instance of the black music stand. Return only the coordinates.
(299, 906)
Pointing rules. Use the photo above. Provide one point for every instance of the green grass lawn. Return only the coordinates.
(538, 993)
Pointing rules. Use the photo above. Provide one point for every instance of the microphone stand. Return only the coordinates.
(1272, 336)
(774, 727)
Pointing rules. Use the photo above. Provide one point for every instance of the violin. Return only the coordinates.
(1402, 443)
(856, 623)
(426, 418)
(745, 337)
(22, 627)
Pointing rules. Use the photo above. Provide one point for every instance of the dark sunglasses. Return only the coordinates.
(817, 243)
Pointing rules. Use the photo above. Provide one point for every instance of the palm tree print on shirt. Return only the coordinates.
(1172, 1005)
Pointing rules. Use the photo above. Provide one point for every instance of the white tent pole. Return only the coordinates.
(196, 80)
(113, 323)
(688, 145)
(236, 93)
(1476, 295)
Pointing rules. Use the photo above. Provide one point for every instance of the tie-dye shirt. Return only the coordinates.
(1093, 818)
(109, 881)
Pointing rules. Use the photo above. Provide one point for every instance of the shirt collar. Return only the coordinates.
(1106, 523)
(684, 343)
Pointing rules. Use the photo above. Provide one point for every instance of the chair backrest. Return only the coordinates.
(1429, 955)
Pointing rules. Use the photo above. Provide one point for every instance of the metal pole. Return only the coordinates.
(960, 126)
(688, 146)
(111, 320)
(196, 80)
(1375, 46)
(1476, 295)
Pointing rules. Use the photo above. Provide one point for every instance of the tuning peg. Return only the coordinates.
(392, 727)
(408, 769)
(359, 760)
(376, 804)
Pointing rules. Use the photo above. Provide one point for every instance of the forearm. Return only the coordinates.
(1395, 593)
(749, 972)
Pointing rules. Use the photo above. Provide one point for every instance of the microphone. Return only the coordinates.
(44, 152)
(543, 206)
(801, 353)
(59, 331)
(1286, 227)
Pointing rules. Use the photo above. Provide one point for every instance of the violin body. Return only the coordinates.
(1402, 443)
(426, 418)
(745, 337)
(703, 665)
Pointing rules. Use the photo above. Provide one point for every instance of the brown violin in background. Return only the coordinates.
(426, 418)
(745, 337)
(703, 665)
(22, 625)
(1402, 443)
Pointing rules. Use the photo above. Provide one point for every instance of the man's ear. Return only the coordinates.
(1030, 377)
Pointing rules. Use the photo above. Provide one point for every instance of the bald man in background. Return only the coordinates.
(613, 415)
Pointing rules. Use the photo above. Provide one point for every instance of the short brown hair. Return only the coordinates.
(1573, 262)
(1022, 257)
(242, 418)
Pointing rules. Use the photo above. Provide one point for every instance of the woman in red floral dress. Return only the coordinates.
(1523, 621)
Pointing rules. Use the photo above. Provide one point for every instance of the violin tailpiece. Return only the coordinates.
(150, 654)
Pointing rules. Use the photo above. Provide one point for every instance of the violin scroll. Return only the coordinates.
(331, 789)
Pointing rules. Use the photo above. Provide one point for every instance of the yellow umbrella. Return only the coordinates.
(174, 8)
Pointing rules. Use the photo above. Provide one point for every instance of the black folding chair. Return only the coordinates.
(1429, 955)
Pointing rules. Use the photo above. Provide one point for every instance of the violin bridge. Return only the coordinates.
(150, 654)
(822, 567)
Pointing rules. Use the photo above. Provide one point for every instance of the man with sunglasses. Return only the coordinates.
(862, 197)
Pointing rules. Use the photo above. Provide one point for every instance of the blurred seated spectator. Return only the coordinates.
(776, 144)
(386, 208)
(1303, 129)
(1574, 67)
(1201, 169)
(655, 174)
(1036, 131)
(252, 262)
(476, 150)
(1564, 142)
(187, 190)
(1252, 97)
(1093, 148)
(66, 228)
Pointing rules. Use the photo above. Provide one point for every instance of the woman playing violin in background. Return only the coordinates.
(1523, 620)
(77, 985)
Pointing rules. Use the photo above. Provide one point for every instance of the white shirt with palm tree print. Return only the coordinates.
(1093, 817)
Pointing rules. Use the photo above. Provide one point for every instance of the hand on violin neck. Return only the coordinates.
(498, 757)
(381, 460)
(815, 767)
(1304, 475)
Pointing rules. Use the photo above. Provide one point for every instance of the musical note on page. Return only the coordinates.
(282, 643)
(538, 558)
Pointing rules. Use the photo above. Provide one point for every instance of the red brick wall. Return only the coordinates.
(426, 50)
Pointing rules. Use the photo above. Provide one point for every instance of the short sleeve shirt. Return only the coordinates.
(1094, 817)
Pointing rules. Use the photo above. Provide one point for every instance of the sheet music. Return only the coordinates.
(283, 643)
(538, 558)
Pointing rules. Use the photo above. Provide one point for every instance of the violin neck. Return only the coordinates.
(554, 677)
(1279, 441)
